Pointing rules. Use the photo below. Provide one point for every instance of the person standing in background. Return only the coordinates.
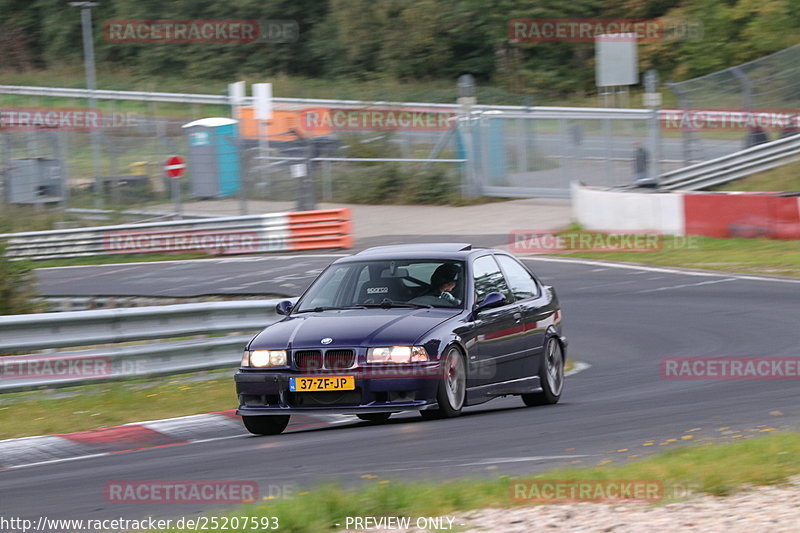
(641, 159)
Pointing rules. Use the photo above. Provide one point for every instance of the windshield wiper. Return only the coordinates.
(331, 308)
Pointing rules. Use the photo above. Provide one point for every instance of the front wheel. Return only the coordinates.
(551, 376)
(266, 425)
(452, 387)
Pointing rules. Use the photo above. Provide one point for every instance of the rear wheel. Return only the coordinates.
(452, 387)
(374, 417)
(266, 425)
(551, 376)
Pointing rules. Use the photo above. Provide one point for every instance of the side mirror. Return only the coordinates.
(493, 299)
(284, 307)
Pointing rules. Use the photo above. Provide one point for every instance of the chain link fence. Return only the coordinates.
(448, 154)
(768, 83)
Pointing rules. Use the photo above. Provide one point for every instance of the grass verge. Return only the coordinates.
(52, 411)
(783, 178)
(751, 256)
(718, 469)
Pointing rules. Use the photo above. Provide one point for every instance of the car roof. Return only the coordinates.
(427, 247)
(452, 251)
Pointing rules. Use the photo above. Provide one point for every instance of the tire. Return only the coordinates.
(452, 391)
(266, 425)
(376, 418)
(551, 376)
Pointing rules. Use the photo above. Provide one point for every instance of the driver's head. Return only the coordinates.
(444, 275)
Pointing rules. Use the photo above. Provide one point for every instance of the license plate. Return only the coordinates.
(322, 383)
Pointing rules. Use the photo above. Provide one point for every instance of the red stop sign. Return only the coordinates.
(175, 166)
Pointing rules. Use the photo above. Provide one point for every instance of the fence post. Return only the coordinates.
(683, 99)
(5, 166)
(62, 150)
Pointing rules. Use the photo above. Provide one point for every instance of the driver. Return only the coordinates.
(443, 281)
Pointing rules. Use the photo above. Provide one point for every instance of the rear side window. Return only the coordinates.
(488, 278)
(520, 280)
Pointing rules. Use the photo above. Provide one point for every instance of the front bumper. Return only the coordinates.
(388, 389)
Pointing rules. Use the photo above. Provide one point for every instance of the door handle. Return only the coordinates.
(518, 316)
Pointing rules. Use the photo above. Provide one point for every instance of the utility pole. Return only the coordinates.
(91, 85)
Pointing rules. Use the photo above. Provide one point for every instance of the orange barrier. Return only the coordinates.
(742, 215)
(313, 230)
(279, 127)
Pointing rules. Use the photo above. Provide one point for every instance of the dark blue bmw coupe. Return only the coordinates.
(427, 327)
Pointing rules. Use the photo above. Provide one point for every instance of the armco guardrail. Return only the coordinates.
(302, 230)
(107, 326)
(734, 166)
(103, 214)
(219, 99)
(26, 333)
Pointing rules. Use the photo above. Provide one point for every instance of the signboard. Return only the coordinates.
(175, 166)
(616, 60)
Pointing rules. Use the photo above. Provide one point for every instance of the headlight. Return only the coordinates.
(264, 358)
(397, 354)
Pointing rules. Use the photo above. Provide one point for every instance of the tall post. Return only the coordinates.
(5, 168)
(466, 99)
(262, 96)
(176, 197)
(91, 85)
(686, 134)
(653, 101)
(236, 94)
(304, 174)
(63, 150)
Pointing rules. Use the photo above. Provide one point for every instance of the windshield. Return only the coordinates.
(390, 283)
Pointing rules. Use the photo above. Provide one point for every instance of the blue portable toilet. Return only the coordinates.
(495, 150)
(213, 161)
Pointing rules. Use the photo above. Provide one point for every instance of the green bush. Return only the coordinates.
(396, 183)
(17, 286)
(391, 183)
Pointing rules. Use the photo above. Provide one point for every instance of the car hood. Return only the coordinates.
(356, 327)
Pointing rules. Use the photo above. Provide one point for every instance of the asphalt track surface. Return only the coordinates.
(273, 275)
(622, 321)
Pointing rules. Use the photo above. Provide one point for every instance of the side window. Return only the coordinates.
(488, 278)
(522, 283)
